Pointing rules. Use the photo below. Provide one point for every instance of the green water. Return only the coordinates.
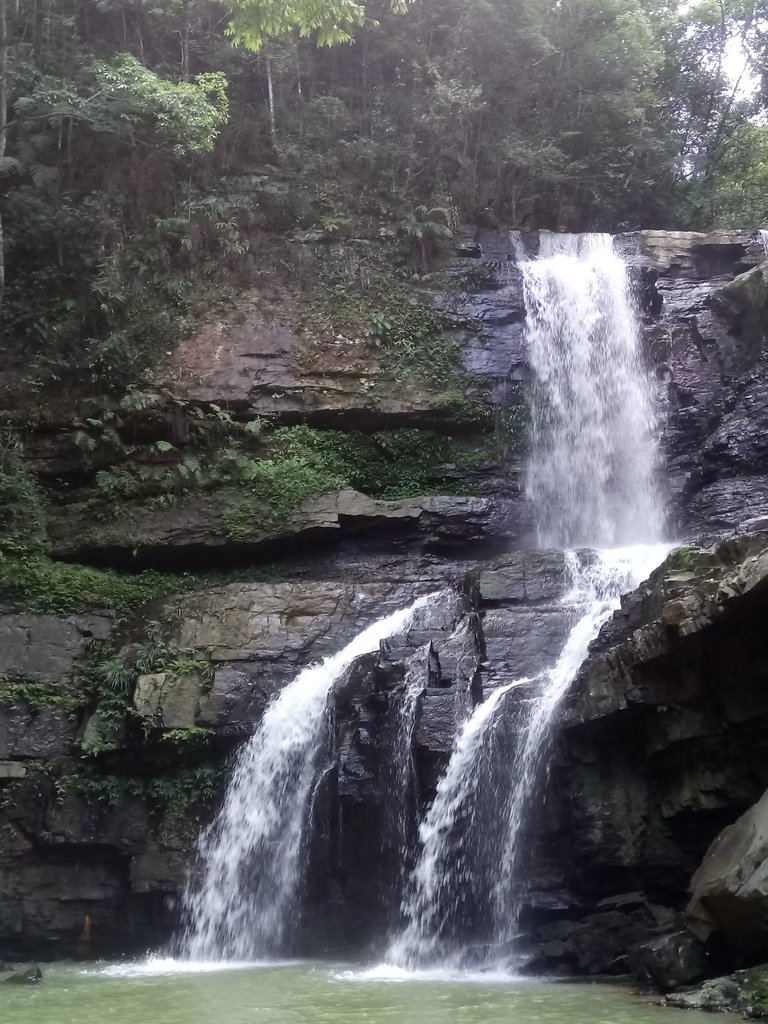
(313, 994)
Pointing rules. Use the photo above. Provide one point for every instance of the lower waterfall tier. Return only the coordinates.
(661, 745)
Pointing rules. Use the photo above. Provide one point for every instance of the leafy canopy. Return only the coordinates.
(121, 96)
(328, 21)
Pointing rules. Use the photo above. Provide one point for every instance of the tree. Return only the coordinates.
(328, 22)
(5, 168)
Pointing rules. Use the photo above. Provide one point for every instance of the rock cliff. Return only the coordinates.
(295, 479)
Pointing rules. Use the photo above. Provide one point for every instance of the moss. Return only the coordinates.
(687, 560)
(755, 982)
(462, 410)
(31, 581)
(241, 521)
(412, 338)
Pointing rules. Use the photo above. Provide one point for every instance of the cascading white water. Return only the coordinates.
(591, 479)
(764, 239)
(250, 856)
(591, 471)
(597, 586)
(434, 885)
(398, 770)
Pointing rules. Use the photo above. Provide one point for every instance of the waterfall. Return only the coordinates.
(597, 586)
(434, 888)
(591, 471)
(250, 856)
(764, 239)
(591, 479)
(398, 774)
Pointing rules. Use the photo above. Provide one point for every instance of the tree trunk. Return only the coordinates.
(271, 95)
(3, 123)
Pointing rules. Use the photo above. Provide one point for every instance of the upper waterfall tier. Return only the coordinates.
(591, 473)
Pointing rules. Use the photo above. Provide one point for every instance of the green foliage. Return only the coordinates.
(386, 464)
(109, 790)
(426, 227)
(178, 793)
(22, 508)
(193, 736)
(241, 520)
(477, 276)
(412, 337)
(114, 675)
(37, 696)
(159, 654)
(139, 189)
(258, 491)
(99, 281)
(110, 677)
(329, 21)
(33, 582)
(735, 194)
(185, 789)
(125, 95)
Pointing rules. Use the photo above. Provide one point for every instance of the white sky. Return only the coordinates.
(736, 68)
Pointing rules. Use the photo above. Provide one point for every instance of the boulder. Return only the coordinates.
(744, 992)
(30, 974)
(170, 702)
(729, 891)
(670, 961)
(600, 942)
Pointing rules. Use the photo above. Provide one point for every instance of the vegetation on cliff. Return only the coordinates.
(147, 163)
(150, 171)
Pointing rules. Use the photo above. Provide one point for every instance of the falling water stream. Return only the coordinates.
(590, 476)
(591, 482)
(240, 905)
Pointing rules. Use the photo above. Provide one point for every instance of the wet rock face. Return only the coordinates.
(101, 849)
(366, 805)
(44, 648)
(663, 744)
(196, 529)
(707, 316)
